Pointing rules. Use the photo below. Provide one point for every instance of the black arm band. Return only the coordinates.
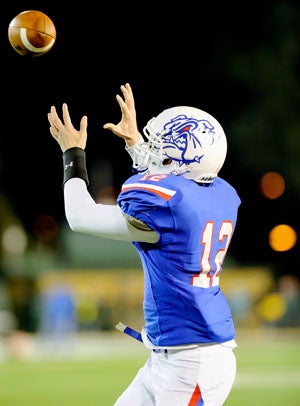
(75, 165)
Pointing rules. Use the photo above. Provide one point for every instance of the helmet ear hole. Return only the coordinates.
(167, 162)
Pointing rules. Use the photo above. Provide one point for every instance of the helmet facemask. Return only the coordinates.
(158, 160)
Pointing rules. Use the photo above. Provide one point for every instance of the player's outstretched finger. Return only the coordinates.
(55, 121)
(66, 115)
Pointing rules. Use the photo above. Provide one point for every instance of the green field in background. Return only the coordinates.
(268, 374)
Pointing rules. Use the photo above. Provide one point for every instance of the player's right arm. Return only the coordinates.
(127, 129)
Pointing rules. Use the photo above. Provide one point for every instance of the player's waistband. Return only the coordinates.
(142, 337)
(164, 351)
(230, 344)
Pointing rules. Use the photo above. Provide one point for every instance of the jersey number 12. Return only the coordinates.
(212, 266)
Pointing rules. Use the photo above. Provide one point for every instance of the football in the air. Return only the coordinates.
(32, 33)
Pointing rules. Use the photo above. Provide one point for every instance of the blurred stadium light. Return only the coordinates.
(282, 237)
(272, 185)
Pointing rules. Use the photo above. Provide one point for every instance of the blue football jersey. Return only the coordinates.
(183, 302)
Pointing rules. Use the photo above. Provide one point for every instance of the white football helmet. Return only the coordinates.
(182, 141)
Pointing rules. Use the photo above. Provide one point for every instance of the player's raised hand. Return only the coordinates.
(63, 130)
(127, 126)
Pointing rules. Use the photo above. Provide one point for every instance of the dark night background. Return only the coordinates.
(241, 64)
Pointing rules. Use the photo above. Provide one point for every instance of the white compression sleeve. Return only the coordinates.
(86, 216)
(139, 155)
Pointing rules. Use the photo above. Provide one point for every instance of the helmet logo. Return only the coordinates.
(184, 138)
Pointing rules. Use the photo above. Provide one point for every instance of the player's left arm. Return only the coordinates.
(64, 132)
(86, 216)
(82, 212)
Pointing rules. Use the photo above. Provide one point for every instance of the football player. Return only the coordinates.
(180, 216)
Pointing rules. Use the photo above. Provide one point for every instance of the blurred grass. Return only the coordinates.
(268, 368)
(268, 373)
(65, 383)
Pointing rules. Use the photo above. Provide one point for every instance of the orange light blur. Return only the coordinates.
(282, 238)
(272, 185)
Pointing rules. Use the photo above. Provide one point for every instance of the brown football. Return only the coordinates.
(32, 33)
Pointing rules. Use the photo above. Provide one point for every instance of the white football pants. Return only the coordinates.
(189, 377)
